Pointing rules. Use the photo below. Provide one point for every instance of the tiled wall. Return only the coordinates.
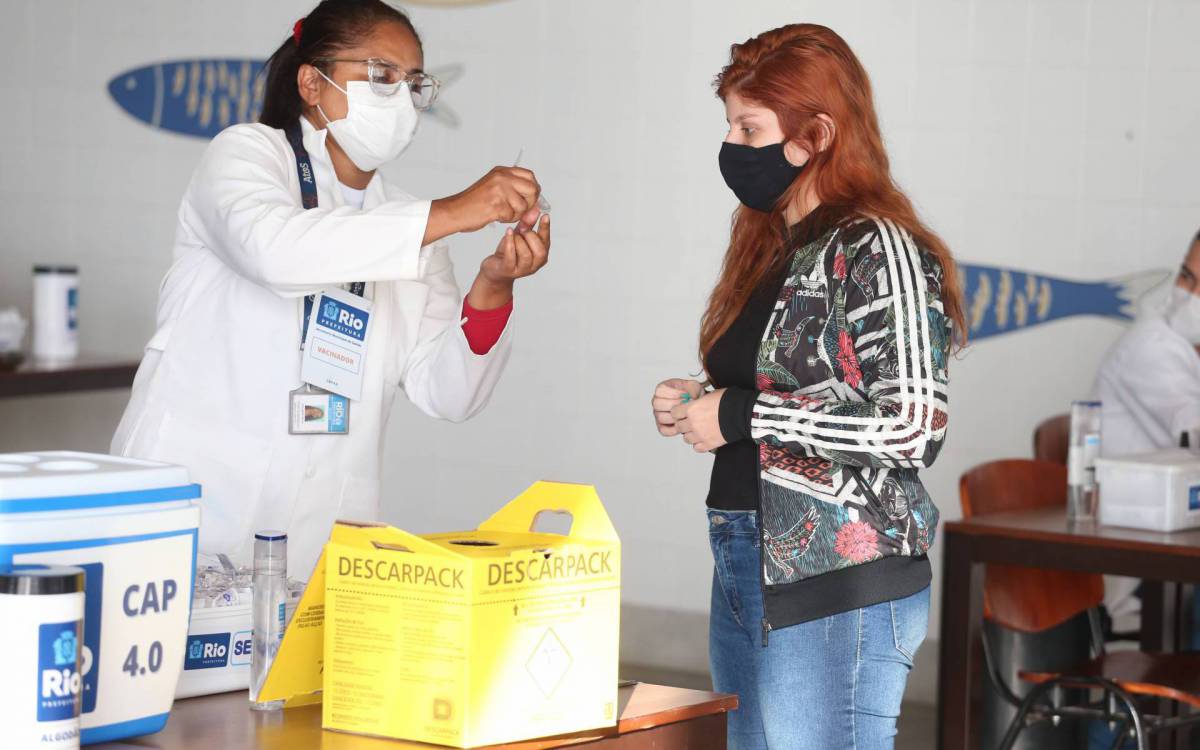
(1057, 136)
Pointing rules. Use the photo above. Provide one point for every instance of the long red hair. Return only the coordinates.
(800, 71)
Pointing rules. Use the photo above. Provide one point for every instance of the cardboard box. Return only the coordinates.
(465, 639)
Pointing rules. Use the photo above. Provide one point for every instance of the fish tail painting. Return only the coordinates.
(203, 97)
(1002, 300)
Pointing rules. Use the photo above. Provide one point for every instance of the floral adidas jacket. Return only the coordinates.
(851, 403)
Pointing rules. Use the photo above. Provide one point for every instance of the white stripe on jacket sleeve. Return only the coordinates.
(807, 421)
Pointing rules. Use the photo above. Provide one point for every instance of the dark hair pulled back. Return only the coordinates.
(332, 26)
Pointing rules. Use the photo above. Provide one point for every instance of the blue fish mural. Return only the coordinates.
(1002, 300)
(203, 97)
(192, 97)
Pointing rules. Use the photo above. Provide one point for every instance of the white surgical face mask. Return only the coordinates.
(1183, 314)
(376, 129)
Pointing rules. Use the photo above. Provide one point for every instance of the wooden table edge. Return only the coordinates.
(1010, 533)
(715, 703)
(658, 709)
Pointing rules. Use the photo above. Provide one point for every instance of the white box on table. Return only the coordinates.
(1157, 491)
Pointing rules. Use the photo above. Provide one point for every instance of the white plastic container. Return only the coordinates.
(131, 525)
(1158, 491)
(41, 625)
(217, 659)
(55, 312)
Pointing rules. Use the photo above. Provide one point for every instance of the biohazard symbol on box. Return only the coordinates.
(443, 709)
(549, 663)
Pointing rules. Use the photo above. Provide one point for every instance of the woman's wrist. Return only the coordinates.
(736, 412)
(443, 220)
(488, 294)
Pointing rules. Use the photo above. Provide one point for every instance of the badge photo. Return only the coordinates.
(313, 411)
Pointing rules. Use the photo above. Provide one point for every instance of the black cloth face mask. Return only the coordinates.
(757, 176)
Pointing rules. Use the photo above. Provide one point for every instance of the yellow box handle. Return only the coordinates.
(588, 517)
(382, 536)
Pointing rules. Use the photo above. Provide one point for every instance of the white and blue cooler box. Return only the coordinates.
(132, 526)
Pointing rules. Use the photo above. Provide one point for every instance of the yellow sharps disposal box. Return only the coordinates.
(466, 639)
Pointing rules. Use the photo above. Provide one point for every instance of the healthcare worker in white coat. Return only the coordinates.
(220, 391)
(1149, 387)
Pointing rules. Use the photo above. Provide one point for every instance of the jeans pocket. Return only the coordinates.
(910, 623)
(724, 578)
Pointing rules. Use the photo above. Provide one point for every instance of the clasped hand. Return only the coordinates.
(683, 408)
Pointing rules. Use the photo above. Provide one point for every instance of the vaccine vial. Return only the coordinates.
(269, 610)
(1082, 491)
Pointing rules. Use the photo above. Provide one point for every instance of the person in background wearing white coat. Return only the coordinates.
(1149, 385)
(218, 388)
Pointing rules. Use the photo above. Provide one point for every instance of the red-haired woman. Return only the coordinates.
(826, 339)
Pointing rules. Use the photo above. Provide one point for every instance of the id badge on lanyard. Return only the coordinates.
(334, 347)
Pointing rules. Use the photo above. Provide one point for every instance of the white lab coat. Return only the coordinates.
(1149, 386)
(212, 390)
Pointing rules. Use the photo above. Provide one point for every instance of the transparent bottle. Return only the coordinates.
(1082, 491)
(269, 611)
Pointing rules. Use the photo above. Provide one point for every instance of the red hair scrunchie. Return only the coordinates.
(297, 30)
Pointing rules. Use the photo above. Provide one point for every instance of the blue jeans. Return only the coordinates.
(826, 684)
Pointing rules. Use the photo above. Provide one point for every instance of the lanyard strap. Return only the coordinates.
(308, 182)
(308, 198)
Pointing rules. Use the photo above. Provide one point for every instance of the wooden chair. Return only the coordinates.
(1027, 599)
(1033, 600)
(1052, 439)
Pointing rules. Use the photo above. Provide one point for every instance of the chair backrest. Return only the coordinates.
(1052, 439)
(1026, 599)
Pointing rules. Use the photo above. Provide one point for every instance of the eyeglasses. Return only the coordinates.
(386, 79)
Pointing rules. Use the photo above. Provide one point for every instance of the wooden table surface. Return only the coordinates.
(1045, 539)
(1051, 525)
(87, 373)
(651, 716)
